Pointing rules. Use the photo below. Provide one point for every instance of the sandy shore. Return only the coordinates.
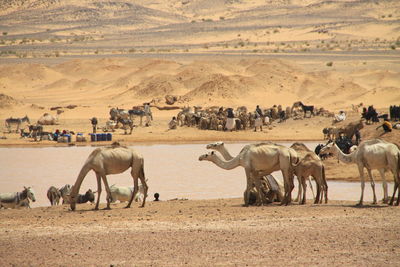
(202, 233)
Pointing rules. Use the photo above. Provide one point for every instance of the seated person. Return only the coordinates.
(173, 124)
(341, 116)
(387, 126)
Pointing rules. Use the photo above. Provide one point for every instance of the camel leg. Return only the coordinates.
(311, 187)
(398, 196)
(372, 185)
(304, 185)
(146, 188)
(299, 190)
(136, 173)
(135, 190)
(98, 176)
(257, 183)
(248, 188)
(108, 191)
(361, 171)
(395, 186)
(384, 185)
(288, 182)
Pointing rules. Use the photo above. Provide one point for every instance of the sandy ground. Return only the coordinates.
(202, 233)
(97, 55)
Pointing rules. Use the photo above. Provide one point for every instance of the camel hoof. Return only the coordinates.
(107, 208)
(359, 204)
(127, 207)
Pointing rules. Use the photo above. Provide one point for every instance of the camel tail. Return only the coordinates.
(398, 167)
(325, 184)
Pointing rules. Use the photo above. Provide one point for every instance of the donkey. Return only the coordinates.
(65, 191)
(54, 195)
(17, 199)
(307, 108)
(88, 196)
(125, 123)
(17, 121)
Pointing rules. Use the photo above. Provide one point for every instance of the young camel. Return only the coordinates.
(372, 154)
(113, 159)
(310, 165)
(257, 160)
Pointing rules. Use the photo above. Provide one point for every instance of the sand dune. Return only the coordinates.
(241, 82)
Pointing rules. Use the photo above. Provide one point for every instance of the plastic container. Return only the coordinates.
(109, 137)
(68, 138)
(104, 136)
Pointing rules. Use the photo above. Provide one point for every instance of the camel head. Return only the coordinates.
(328, 148)
(72, 203)
(215, 145)
(352, 149)
(207, 156)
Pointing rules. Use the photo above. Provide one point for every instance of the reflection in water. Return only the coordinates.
(172, 170)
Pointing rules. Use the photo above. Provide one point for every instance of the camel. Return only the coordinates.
(258, 160)
(310, 165)
(271, 187)
(112, 159)
(372, 154)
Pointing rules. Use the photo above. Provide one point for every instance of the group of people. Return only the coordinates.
(394, 112)
(370, 115)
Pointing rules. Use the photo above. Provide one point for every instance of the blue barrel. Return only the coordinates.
(99, 137)
(68, 138)
(104, 136)
(93, 137)
(109, 136)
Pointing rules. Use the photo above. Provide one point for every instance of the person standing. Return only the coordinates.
(94, 124)
(147, 113)
(358, 137)
(230, 120)
(258, 118)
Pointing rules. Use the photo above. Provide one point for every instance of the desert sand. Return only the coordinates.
(85, 57)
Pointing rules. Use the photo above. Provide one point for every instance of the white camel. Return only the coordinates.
(112, 159)
(271, 183)
(258, 160)
(371, 154)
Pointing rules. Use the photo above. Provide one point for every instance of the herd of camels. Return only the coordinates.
(257, 160)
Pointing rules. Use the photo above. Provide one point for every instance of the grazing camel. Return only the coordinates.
(258, 160)
(112, 159)
(310, 165)
(372, 154)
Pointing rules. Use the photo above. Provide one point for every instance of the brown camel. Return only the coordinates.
(310, 165)
(113, 159)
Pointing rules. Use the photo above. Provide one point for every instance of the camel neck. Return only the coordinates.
(225, 153)
(226, 165)
(344, 157)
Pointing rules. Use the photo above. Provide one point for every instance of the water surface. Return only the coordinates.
(173, 171)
